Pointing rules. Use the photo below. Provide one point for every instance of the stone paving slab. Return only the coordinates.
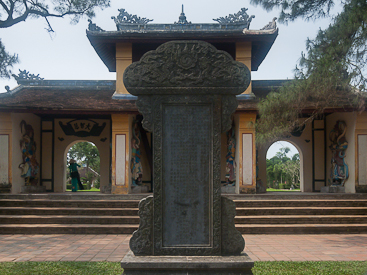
(58, 247)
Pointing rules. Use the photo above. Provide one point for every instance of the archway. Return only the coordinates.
(284, 167)
(86, 155)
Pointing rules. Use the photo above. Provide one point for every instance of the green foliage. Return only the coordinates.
(283, 172)
(6, 61)
(85, 153)
(331, 75)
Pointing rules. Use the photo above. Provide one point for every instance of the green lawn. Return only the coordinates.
(91, 190)
(261, 268)
(282, 190)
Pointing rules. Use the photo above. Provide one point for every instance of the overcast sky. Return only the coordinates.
(67, 53)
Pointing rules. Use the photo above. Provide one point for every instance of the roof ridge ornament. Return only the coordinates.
(24, 75)
(126, 18)
(93, 27)
(271, 25)
(182, 19)
(240, 17)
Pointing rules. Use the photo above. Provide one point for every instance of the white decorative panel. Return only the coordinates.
(362, 159)
(4, 159)
(120, 159)
(247, 159)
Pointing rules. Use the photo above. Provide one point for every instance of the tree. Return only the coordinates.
(331, 74)
(85, 153)
(15, 11)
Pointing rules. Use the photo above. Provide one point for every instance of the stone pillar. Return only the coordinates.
(123, 60)
(121, 135)
(187, 93)
(246, 169)
(361, 153)
(243, 55)
(5, 152)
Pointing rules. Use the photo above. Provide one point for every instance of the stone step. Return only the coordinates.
(66, 229)
(75, 196)
(297, 196)
(301, 203)
(303, 229)
(266, 211)
(302, 219)
(60, 219)
(68, 211)
(70, 203)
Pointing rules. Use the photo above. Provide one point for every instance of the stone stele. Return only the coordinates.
(187, 93)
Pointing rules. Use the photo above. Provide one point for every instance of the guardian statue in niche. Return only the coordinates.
(339, 169)
(136, 167)
(230, 157)
(29, 166)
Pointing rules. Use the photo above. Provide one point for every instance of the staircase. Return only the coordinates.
(118, 214)
(69, 214)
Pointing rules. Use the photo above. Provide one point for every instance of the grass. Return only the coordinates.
(282, 190)
(90, 190)
(111, 268)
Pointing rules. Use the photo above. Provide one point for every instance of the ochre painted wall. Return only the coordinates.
(6, 130)
(123, 60)
(243, 54)
(246, 160)
(121, 131)
(361, 129)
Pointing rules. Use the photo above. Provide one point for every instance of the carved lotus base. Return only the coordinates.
(187, 265)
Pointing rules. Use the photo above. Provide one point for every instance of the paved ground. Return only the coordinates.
(15, 248)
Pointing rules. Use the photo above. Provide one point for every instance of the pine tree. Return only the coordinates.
(332, 74)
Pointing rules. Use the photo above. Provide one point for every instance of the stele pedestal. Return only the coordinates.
(187, 93)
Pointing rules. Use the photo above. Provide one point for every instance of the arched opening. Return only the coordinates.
(284, 164)
(86, 155)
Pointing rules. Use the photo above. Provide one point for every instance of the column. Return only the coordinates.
(243, 55)
(361, 153)
(123, 60)
(5, 149)
(246, 152)
(121, 153)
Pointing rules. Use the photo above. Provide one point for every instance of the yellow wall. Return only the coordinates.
(361, 129)
(243, 54)
(245, 127)
(123, 60)
(121, 127)
(6, 129)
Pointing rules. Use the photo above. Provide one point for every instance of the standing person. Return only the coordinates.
(75, 177)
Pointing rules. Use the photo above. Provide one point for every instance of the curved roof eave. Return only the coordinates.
(104, 43)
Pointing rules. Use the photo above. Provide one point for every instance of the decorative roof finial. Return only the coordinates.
(271, 26)
(240, 17)
(182, 18)
(24, 75)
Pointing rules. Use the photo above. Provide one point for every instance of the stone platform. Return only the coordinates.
(187, 265)
(32, 189)
(332, 189)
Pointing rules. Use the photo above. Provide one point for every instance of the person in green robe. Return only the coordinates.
(74, 174)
